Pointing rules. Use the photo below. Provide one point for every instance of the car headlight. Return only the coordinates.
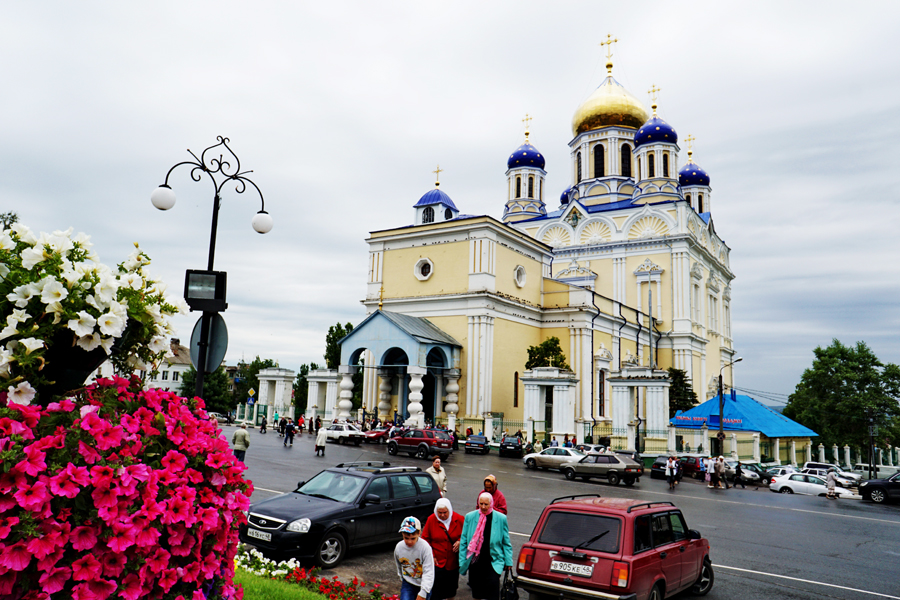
(299, 526)
(864, 483)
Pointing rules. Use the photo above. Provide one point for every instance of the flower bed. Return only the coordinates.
(118, 492)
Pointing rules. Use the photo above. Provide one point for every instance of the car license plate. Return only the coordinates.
(260, 535)
(572, 569)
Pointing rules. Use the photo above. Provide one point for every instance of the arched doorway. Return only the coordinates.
(432, 392)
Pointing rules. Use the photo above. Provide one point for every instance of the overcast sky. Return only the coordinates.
(343, 109)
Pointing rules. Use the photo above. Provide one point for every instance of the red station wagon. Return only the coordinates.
(422, 443)
(586, 548)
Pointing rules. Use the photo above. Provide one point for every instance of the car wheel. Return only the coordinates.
(357, 442)
(422, 452)
(613, 479)
(531, 464)
(486, 450)
(570, 474)
(629, 481)
(331, 550)
(877, 495)
(467, 450)
(655, 593)
(695, 475)
(392, 449)
(786, 490)
(705, 581)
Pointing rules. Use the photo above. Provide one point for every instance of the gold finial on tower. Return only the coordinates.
(609, 42)
(690, 142)
(527, 121)
(437, 176)
(381, 297)
(653, 91)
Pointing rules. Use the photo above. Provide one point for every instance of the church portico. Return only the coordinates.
(550, 401)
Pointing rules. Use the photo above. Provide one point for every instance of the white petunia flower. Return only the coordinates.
(18, 316)
(119, 309)
(31, 344)
(89, 342)
(83, 240)
(24, 234)
(6, 242)
(54, 291)
(83, 325)
(8, 331)
(107, 344)
(4, 271)
(71, 276)
(158, 344)
(132, 280)
(21, 394)
(6, 358)
(107, 288)
(111, 324)
(32, 256)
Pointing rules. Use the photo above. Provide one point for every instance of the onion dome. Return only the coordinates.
(655, 130)
(564, 197)
(691, 174)
(435, 196)
(610, 104)
(525, 155)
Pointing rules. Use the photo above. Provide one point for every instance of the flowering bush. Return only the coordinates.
(252, 561)
(52, 284)
(118, 492)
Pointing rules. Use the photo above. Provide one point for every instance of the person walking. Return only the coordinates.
(241, 441)
(498, 499)
(720, 473)
(439, 475)
(443, 531)
(485, 550)
(538, 446)
(739, 476)
(713, 473)
(318, 424)
(281, 425)
(262, 426)
(670, 472)
(830, 483)
(415, 562)
(289, 433)
(321, 436)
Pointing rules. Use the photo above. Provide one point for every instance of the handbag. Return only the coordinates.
(508, 590)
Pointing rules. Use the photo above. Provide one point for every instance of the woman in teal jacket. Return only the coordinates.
(485, 549)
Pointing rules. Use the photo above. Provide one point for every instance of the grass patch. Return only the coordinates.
(261, 588)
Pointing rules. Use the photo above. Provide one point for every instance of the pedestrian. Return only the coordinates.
(438, 474)
(739, 476)
(538, 446)
(281, 425)
(670, 472)
(443, 531)
(703, 473)
(300, 423)
(321, 436)
(456, 439)
(554, 442)
(415, 562)
(275, 419)
(468, 431)
(498, 500)
(289, 433)
(241, 441)
(262, 426)
(830, 483)
(318, 424)
(719, 469)
(713, 473)
(485, 550)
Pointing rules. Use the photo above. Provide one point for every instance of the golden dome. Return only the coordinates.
(610, 104)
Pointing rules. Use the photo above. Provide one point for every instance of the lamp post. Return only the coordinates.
(205, 290)
(721, 435)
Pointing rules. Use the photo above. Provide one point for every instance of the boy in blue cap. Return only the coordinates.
(415, 562)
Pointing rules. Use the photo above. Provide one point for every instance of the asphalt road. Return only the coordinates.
(763, 545)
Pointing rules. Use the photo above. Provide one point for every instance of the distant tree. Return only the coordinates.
(215, 389)
(301, 387)
(681, 393)
(8, 219)
(246, 378)
(547, 354)
(843, 388)
(332, 349)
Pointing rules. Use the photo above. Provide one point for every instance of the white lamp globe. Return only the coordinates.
(163, 197)
(262, 222)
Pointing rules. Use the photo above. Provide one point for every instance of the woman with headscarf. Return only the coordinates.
(499, 500)
(485, 549)
(443, 531)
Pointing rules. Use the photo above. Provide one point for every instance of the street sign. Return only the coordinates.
(250, 401)
(721, 436)
(218, 343)
(252, 392)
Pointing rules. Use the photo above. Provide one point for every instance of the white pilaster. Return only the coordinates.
(452, 389)
(414, 406)
(346, 403)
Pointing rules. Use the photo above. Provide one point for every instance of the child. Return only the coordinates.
(415, 562)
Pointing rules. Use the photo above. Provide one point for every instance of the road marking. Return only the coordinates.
(545, 478)
(521, 534)
(267, 490)
(840, 587)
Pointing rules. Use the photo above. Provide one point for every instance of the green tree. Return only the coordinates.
(301, 387)
(547, 354)
(332, 349)
(215, 389)
(681, 393)
(8, 219)
(840, 391)
(247, 378)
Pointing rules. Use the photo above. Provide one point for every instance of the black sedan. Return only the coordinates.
(477, 443)
(511, 445)
(881, 490)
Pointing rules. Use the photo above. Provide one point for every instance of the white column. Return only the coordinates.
(704, 434)
(384, 396)
(835, 454)
(734, 452)
(879, 463)
(794, 452)
(414, 406)
(821, 452)
(586, 376)
(670, 443)
(847, 462)
(756, 455)
(346, 403)
(452, 389)
(563, 409)
(331, 399)
(471, 376)
(809, 451)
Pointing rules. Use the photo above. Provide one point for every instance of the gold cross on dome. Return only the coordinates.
(653, 91)
(437, 175)
(609, 42)
(381, 297)
(690, 142)
(527, 121)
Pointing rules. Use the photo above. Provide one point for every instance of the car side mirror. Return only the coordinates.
(372, 499)
(300, 484)
(693, 534)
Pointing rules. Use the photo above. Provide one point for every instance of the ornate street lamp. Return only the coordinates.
(721, 434)
(205, 290)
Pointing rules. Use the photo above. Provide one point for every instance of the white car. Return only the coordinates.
(801, 483)
(845, 482)
(552, 458)
(345, 433)
(842, 472)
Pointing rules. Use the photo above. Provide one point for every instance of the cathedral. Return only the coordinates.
(625, 269)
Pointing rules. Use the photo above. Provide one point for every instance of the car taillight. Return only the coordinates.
(526, 558)
(619, 575)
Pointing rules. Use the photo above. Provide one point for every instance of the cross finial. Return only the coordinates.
(690, 142)
(437, 176)
(381, 297)
(527, 121)
(653, 91)
(609, 42)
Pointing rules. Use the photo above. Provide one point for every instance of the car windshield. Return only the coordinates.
(477, 438)
(573, 530)
(510, 439)
(440, 435)
(341, 487)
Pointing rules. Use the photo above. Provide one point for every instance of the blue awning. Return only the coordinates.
(741, 413)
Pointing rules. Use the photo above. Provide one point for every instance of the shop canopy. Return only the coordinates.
(741, 413)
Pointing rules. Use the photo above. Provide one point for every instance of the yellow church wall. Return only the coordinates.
(511, 343)
(507, 261)
(631, 265)
(447, 277)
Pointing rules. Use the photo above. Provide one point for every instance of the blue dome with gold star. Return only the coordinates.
(655, 130)
(691, 174)
(525, 155)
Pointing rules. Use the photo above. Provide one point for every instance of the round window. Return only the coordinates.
(424, 269)
(519, 276)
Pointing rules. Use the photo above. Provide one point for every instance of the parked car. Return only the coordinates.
(422, 443)
(632, 454)
(841, 480)
(658, 468)
(800, 483)
(220, 418)
(773, 472)
(609, 466)
(588, 448)
(748, 473)
(551, 458)
(344, 433)
(477, 443)
(881, 490)
(754, 473)
(592, 548)
(843, 472)
(691, 465)
(379, 435)
(348, 506)
(512, 445)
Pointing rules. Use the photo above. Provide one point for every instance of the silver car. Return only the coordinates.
(609, 466)
(551, 458)
(800, 483)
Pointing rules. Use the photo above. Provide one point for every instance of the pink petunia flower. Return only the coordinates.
(131, 588)
(104, 497)
(174, 461)
(168, 578)
(49, 561)
(31, 497)
(113, 563)
(89, 454)
(83, 538)
(15, 557)
(86, 568)
(55, 579)
(34, 462)
(6, 525)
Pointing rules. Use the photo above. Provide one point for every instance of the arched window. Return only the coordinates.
(428, 215)
(626, 160)
(448, 214)
(699, 203)
(688, 198)
(665, 164)
(598, 161)
(638, 169)
(578, 167)
(531, 186)
(518, 186)
(651, 165)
